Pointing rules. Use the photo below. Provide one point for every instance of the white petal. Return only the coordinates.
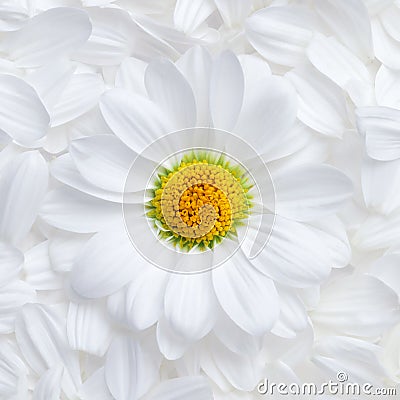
(359, 306)
(376, 6)
(389, 18)
(23, 116)
(95, 387)
(130, 75)
(358, 358)
(340, 65)
(103, 160)
(332, 232)
(349, 21)
(208, 365)
(293, 317)
(242, 372)
(38, 269)
(268, 113)
(81, 94)
(171, 345)
(12, 297)
(168, 88)
(129, 371)
(11, 260)
(74, 211)
(294, 254)
(51, 80)
(195, 65)
(255, 69)
(234, 338)
(64, 170)
(140, 304)
(12, 16)
(226, 91)
(136, 120)
(23, 185)
(190, 14)
(385, 46)
(310, 191)
(42, 338)
(63, 248)
(380, 125)
(49, 385)
(387, 270)
(281, 34)
(57, 139)
(193, 387)
(190, 305)
(51, 34)
(105, 264)
(379, 183)
(322, 105)
(233, 12)
(88, 329)
(109, 44)
(387, 87)
(13, 370)
(247, 296)
(378, 232)
(293, 141)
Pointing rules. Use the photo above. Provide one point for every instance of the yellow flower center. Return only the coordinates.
(197, 203)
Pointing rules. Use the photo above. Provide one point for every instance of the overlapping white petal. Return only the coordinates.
(226, 91)
(195, 387)
(344, 68)
(349, 20)
(129, 371)
(281, 34)
(74, 211)
(107, 262)
(11, 260)
(246, 295)
(359, 359)
(42, 338)
(294, 254)
(322, 105)
(57, 32)
(23, 185)
(49, 385)
(136, 120)
(309, 192)
(268, 113)
(189, 15)
(190, 305)
(24, 117)
(88, 328)
(167, 88)
(141, 303)
(311, 86)
(380, 126)
(361, 307)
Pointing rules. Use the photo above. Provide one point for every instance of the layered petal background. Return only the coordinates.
(309, 290)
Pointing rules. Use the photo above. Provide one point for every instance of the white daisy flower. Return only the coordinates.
(251, 293)
(193, 239)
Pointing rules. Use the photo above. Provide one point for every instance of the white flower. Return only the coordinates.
(187, 307)
(209, 160)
